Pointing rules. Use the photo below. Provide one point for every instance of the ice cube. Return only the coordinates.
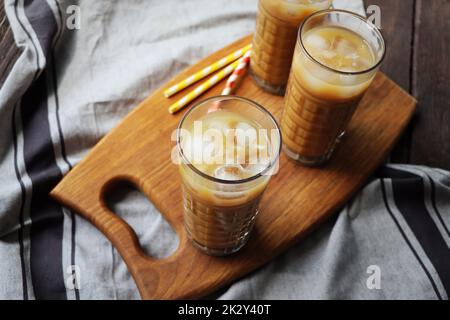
(229, 172)
(353, 56)
(317, 42)
(364, 62)
(222, 126)
(343, 47)
(264, 152)
(246, 134)
(328, 54)
(255, 153)
(209, 152)
(246, 156)
(244, 126)
(230, 137)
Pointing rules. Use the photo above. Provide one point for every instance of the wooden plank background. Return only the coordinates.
(418, 59)
(418, 38)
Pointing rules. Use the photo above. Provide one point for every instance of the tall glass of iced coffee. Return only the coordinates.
(226, 159)
(336, 58)
(277, 24)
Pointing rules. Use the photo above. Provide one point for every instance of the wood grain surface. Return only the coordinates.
(430, 137)
(397, 18)
(297, 198)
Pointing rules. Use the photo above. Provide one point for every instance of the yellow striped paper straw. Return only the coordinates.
(206, 71)
(203, 87)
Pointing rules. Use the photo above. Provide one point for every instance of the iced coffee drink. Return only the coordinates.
(336, 58)
(226, 160)
(277, 24)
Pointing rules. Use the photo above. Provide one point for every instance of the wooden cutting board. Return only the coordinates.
(296, 201)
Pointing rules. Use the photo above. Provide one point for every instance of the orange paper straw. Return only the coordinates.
(233, 80)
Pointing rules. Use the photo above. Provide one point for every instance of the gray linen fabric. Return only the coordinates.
(70, 87)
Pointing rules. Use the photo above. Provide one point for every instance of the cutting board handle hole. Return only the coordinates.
(156, 237)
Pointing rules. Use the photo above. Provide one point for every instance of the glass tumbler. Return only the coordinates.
(219, 213)
(337, 56)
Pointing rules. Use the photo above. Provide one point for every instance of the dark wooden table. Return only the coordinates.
(418, 59)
